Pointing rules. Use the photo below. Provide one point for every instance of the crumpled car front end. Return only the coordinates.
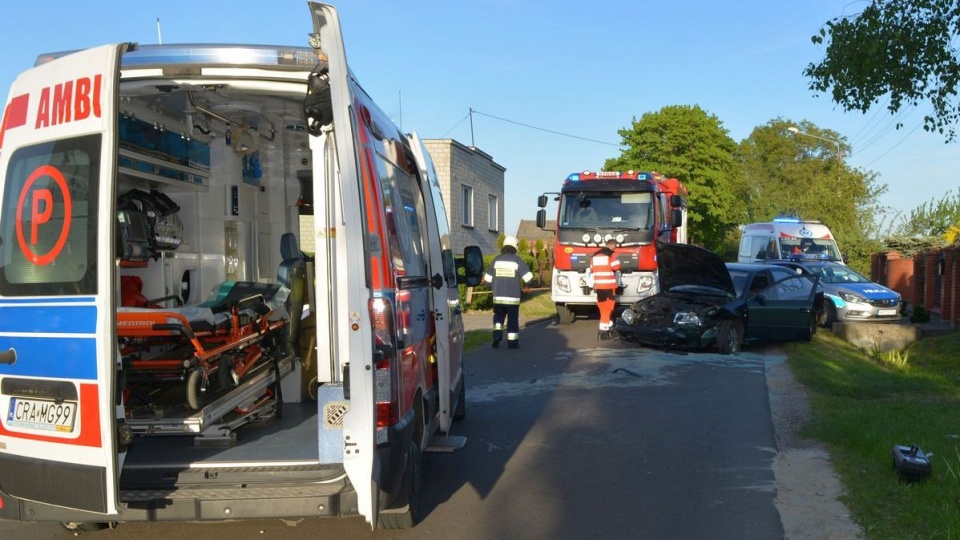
(671, 320)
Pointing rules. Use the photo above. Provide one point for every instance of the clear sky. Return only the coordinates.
(575, 72)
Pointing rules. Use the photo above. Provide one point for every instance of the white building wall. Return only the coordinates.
(457, 166)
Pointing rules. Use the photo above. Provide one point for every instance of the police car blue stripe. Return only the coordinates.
(55, 357)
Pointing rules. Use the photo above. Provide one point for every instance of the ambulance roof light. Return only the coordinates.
(209, 55)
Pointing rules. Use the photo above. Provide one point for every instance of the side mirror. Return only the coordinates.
(472, 264)
(676, 200)
(542, 201)
(676, 218)
(541, 218)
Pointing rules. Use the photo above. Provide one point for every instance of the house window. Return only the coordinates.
(493, 212)
(466, 205)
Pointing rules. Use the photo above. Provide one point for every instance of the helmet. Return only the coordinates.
(510, 241)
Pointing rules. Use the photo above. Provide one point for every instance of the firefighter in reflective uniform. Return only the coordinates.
(605, 268)
(507, 276)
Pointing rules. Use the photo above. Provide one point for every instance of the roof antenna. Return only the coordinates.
(159, 37)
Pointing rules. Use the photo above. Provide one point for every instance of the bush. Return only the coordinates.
(920, 315)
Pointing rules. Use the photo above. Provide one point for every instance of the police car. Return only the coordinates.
(852, 297)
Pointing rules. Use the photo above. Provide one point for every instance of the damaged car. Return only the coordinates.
(704, 302)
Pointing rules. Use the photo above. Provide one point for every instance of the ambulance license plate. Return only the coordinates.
(886, 312)
(42, 414)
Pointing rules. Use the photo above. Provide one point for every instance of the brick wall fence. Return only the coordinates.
(930, 279)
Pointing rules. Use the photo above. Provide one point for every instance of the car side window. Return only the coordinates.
(793, 288)
(761, 280)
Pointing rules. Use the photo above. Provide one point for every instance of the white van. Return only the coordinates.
(167, 349)
(788, 238)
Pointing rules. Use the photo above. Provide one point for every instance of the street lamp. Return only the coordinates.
(796, 131)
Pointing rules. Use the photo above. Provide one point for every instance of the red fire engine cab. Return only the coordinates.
(633, 208)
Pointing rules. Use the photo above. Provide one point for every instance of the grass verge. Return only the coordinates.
(535, 305)
(863, 404)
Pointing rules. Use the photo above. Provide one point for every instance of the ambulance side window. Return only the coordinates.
(48, 243)
(404, 206)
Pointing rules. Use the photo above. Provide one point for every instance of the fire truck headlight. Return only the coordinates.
(563, 283)
(645, 283)
(585, 238)
(620, 238)
(597, 238)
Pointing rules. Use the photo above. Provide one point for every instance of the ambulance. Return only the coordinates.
(227, 289)
(788, 237)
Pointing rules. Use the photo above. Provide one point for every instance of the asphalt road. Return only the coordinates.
(572, 438)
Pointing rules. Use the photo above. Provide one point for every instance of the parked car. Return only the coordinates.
(851, 296)
(704, 302)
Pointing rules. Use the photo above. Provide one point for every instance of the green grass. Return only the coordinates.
(862, 405)
(535, 305)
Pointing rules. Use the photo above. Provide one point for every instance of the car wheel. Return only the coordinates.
(729, 337)
(812, 330)
(565, 314)
(830, 316)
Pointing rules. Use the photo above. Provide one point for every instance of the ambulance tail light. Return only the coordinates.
(385, 372)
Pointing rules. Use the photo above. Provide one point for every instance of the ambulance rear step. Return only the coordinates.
(214, 423)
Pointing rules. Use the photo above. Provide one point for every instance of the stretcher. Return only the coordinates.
(221, 340)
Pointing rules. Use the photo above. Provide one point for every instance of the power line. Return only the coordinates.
(544, 129)
(444, 136)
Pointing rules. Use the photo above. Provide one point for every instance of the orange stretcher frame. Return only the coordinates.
(162, 343)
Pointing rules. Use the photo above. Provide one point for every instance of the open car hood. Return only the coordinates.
(682, 264)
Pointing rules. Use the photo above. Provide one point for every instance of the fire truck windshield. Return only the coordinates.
(607, 210)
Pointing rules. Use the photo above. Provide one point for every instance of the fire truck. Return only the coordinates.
(635, 209)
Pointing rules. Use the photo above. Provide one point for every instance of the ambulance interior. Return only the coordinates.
(214, 279)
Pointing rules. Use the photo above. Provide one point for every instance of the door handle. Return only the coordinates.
(8, 357)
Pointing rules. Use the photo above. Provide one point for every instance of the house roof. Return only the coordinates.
(529, 231)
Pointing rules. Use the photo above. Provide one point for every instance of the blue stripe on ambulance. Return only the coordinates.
(51, 339)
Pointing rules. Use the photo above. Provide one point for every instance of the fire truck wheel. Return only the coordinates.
(565, 314)
(194, 388)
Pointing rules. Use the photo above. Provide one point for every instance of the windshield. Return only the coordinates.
(809, 248)
(836, 273)
(607, 210)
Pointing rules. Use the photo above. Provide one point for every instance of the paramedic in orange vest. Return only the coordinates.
(605, 266)
(507, 276)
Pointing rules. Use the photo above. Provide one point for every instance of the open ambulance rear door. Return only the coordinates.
(58, 156)
(345, 289)
(447, 313)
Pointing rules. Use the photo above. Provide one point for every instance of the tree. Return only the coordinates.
(933, 218)
(687, 143)
(900, 48)
(803, 174)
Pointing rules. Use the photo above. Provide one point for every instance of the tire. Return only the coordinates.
(831, 315)
(812, 330)
(226, 374)
(408, 515)
(730, 337)
(565, 314)
(194, 388)
(461, 411)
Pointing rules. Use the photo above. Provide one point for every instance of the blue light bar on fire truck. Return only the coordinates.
(609, 175)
